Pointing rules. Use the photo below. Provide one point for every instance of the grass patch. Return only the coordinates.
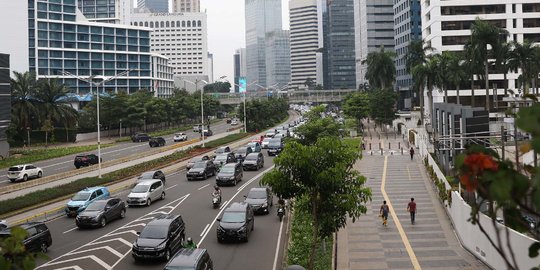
(227, 139)
(33, 155)
(352, 142)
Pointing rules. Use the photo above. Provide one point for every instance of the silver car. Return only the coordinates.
(144, 193)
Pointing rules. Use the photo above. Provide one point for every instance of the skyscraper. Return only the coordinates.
(108, 11)
(278, 59)
(304, 42)
(262, 17)
(179, 6)
(239, 59)
(157, 6)
(5, 103)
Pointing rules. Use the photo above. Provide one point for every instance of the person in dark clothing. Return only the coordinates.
(411, 152)
(384, 213)
(411, 207)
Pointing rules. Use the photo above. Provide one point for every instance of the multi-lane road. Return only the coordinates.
(119, 150)
(110, 247)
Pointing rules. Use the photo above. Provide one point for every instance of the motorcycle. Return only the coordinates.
(216, 200)
(280, 212)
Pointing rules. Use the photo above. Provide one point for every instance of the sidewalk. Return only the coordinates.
(428, 244)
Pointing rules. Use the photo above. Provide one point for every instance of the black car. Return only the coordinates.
(275, 146)
(236, 223)
(260, 199)
(202, 170)
(152, 175)
(38, 238)
(100, 212)
(192, 162)
(208, 132)
(242, 152)
(156, 142)
(223, 150)
(253, 161)
(160, 238)
(192, 259)
(223, 159)
(140, 137)
(230, 173)
(85, 160)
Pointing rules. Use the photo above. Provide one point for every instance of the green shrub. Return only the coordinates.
(227, 139)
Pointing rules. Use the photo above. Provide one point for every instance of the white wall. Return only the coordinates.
(14, 33)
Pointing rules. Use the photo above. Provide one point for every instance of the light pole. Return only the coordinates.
(196, 83)
(90, 80)
(250, 84)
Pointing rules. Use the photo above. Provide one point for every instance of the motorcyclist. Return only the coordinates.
(281, 204)
(217, 192)
(190, 244)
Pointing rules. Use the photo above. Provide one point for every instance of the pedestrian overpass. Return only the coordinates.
(294, 96)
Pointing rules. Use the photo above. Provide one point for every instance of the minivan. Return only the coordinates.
(254, 161)
(83, 198)
(38, 236)
(160, 238)
(188, 258)
(230, 173)
(145, 192)
(236, 223)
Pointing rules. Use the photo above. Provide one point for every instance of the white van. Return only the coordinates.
(145, 192)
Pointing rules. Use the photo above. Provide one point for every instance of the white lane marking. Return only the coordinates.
(225, 204)
(203, 186)
(278, 245)
(205, 228)
(171, 187)
(109, 249)
(70, 230)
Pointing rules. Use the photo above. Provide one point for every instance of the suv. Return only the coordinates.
(223, 159)
(188, 258)
(275, 146)
(255, 146)
(140, 137)
(83, 198)
(222, 150)
(38, 238)
(208, 132)
(160, 238)
(197, 128)
(230, 173)
(145, 192)
(85, 160)
(156, 142)
(253, 161)
(236, 223)
(179, 137)
(242, 152)
(192, 162)
(24, 172)
(99, 212)
(201, 170)
(260, 199)
(149, 175)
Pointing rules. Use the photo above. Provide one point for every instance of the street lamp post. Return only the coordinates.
(196, 83)
(245, 121)
(90, 80)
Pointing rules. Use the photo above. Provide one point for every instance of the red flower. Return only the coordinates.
(476, 164)
(468, 181)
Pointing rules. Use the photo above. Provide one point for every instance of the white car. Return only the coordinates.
(24, 172)
(3, 224)
(265, 143)
(180, 137)
(234, 122)
(146, 192)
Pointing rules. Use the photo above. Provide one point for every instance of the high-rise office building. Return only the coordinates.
(262, 17)
(407, 27)
(162, 76)
(186, 6)
(60, 41)
(107, 11)
(339, 45)
(278, 59)
(210, 68)
(5, 103)
(374, 28)
(304, 38)
(155, 6)
(239, 60)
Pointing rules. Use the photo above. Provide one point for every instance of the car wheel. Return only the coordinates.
(77, 167)
(205, 176)
(167, 256)
(103, 222)
(12, 180)
(25, 177)
(148, 202)
(43, 247)
(162, 196)
(39, 174)
(235, 181)
(123, 213)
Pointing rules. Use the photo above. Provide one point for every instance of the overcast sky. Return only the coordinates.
(226, 32)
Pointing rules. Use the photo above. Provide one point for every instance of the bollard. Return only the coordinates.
(381, 152)
(389, 146)
(369, 146)
(371, 153)
(380, 147)
(398, 145)
(402, 150)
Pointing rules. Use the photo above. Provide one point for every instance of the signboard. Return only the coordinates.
(242, 85)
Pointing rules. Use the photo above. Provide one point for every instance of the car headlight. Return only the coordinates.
(220, 229)
(135, 245)
(97, 217)
(162, 246)
(242, 229)
(201, 172)
(264, 205)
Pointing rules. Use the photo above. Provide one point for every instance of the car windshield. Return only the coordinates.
(221, 158)
(178, 134)
(274, 143)
(199, 165)
(251, 157)
(257, 194)
(81, 196)
(242, 150)
(233, 217)
(147, 175)
(15, 169)
(220, 150)
(154, 232)
(227, 169)
(96, 206)
(193, 160)
(140, 189)
(267, 140)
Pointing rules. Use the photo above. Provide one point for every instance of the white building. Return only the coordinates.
(446, 26)
(162, 76)
(186, 6)
(210, 68)
(304, 38)
(107, 11)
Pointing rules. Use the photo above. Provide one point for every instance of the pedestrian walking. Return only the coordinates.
(411, 152)
(411, 207)
(384, 213)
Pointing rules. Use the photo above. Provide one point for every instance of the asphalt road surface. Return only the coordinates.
(120, 150)
(110, 247)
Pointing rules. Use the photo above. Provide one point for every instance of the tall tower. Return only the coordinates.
(239, 67)
(262, 17)
(180, 6)
(112, 11)
(156, 6)
(278, 59)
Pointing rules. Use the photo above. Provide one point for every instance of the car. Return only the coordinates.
(229, 120)
(160, 238)
(223, 159)
(260, 199)
(234, 122)
(149, 175)
(282, 133)
(279, 136)
(83, 198)
(275, 146)
(85, 160)
(255, 146)
(38, 239)
(193, 259)
(236, 223)
(230, 173)
(100, 212)
(156, 141)
(3, 224)
(208, 132)
(140, 137)
(197, 128)
(24, 172)
(253, 161)
(242, 152)
(201, 170)
(190, 163)
(222, 150)
(265, 142)
(146, 192)
(180, 137)
(270, 134)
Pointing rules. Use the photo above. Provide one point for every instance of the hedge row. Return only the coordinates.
(41, 196)
(38, 137)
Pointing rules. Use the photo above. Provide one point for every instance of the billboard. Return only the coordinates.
(242, 85)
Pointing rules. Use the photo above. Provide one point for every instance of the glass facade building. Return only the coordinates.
(278, 59)
(107, 11)
(58, 42)
(154, 5)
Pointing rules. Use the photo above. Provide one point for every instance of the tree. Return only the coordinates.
(417, 52)
(523, 57)
(442, 79)
(322, 174)
(383, 106)
(23, 104)
(47, 127)
(316, 128)
(309, 83)
(425, 76)
(13, 254)
(356, 105)
(502, 62)
(456, 73)
(380, 68)
(217, 87)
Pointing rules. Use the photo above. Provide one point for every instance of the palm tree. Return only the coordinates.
(425, 76)
(456, 72)
(483, 34)
(502, 57)
(23, 104)
(380, 68)
(523, 57)
(441, 77)
(417, 52)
